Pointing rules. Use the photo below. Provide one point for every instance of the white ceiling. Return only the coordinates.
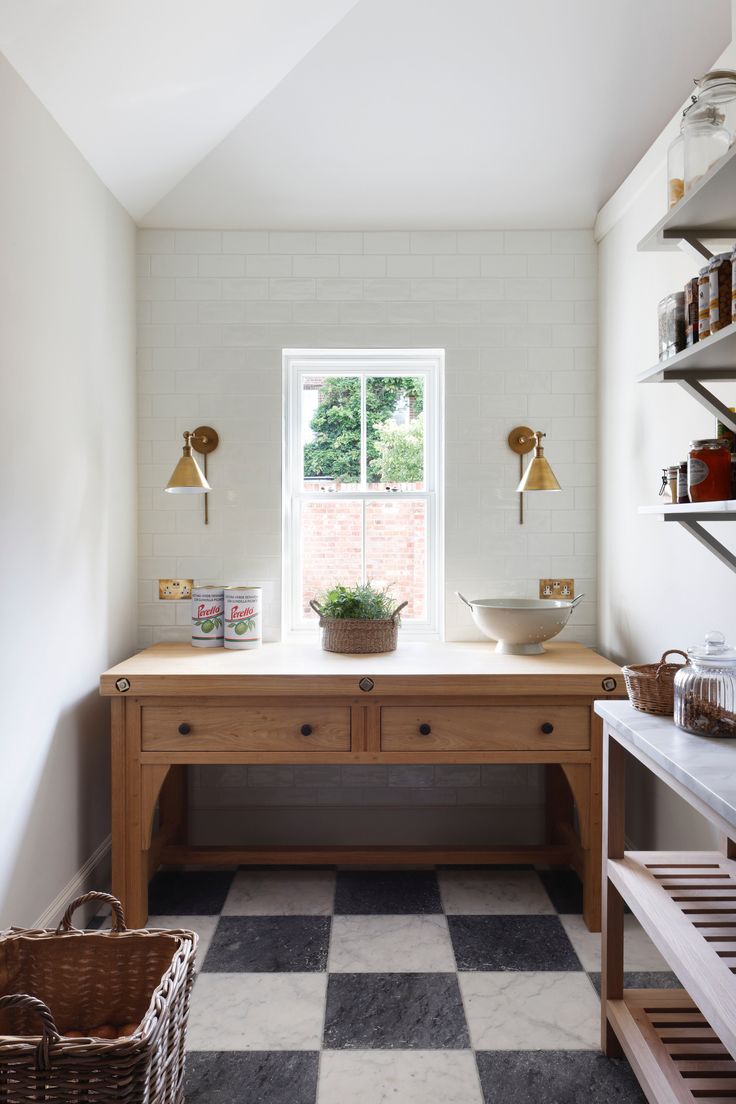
(380, 113)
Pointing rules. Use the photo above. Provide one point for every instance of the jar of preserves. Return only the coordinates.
(709, 470)
(705, 689)
(691, 311)
(704, 303)
(718, 89)
(721, 290)
(671, 324)
(706, 140)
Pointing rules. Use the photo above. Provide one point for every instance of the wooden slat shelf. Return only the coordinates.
(673, 1050)
(678, 897)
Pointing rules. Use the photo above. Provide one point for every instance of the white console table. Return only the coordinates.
(681, 1043)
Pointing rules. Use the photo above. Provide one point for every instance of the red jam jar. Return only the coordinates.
(709, 470)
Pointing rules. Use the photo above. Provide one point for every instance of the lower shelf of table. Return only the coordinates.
(675, 1054)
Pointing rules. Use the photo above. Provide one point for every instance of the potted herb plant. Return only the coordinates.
(358, 619)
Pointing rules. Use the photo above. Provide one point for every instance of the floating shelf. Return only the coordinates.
(693, 511)
(708, 211)
(713, 358)
(686, 903)
(674, 1052)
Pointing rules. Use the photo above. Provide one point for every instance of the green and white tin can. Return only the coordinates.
(243, 617)
(208, 608)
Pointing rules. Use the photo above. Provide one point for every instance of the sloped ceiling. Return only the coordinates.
(380, 113)
(146, 88)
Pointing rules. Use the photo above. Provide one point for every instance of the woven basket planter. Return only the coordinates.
(651, 686)
(359, 636)
(64, 980)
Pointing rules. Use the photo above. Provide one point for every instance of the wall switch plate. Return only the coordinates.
(557, 588)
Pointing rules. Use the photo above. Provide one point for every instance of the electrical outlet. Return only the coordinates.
(557, 588)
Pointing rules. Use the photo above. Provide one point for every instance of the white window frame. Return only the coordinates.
(428, 363)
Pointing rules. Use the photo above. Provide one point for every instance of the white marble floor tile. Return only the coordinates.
(204, 926)
(543, 1010)
(257, 1012)
(640, 954)
(281, 893)
(400, 1076)
(493, 892)
(390, 944)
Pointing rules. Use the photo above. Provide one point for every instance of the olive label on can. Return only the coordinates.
(208, 608)
(242, 617)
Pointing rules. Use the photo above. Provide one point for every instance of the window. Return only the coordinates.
(363, 479)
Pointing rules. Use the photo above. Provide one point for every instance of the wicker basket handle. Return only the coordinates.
(663, 660)
(317, 609)
(398, 610)
(49, 1030)
(118, 916)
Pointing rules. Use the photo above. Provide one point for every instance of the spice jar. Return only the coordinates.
(704, 303)
(682, 492)
(721, 290)
(671, 324)
(706, 140)
(718, 89)
(705, 689)
(672, 478)
(709, 470)
(691, 311)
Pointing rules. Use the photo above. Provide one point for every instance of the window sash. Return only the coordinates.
(300, 363)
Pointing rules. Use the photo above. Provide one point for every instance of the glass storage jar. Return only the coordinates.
(705, 690)
(706, 141)
(676, 164)
(718, 88)
(671, 324)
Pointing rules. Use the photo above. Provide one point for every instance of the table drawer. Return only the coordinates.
(244, 727)
(485, 728)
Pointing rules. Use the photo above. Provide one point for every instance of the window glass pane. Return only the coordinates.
(331, 546)
(330, 431)
(396, 551)
(395, 432)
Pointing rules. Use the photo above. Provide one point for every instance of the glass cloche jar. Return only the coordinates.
(705, 690)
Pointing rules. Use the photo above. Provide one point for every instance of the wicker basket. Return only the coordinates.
(64, 980)
(354, 635)
(651, 686)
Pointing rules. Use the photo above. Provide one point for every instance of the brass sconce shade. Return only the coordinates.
(187, 477)
(538, 475)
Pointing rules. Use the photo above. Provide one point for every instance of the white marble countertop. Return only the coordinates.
(705, 766)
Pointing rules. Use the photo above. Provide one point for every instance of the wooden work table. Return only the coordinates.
(174, 705)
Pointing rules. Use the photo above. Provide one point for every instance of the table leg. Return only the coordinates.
(612, 955)
(129, 860)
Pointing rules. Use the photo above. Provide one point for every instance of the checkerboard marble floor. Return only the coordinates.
(446, 986)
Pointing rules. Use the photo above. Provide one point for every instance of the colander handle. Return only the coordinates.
(465, 600)
(576, 600)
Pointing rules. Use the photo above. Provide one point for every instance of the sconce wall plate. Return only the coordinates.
(205, 439)
(521, 440)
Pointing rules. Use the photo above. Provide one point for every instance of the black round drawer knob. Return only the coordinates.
(185, 729)
(547, 728)
(306, 730)
(425, 729)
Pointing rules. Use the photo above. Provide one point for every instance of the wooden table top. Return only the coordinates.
(304, 668)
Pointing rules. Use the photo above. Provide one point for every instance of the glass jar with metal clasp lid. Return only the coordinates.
(718, 89)
(705, 689)
(676, 162)
(706, 140)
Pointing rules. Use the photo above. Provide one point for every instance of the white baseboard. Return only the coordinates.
(95, 874)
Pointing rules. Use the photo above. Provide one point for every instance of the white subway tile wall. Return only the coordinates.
(514, 312)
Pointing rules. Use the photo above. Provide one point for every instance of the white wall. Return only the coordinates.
(658, 587)
(68, 497)
(514, 312)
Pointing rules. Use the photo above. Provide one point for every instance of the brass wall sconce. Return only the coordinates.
(188, 477)
(538, 475)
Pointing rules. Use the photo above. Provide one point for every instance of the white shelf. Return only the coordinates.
(708, 211)
(693, 511)
(713, 358)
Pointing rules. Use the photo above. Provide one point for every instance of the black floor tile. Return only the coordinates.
(556, 1077)
(564, 888)
(260, 1077)
(189, 892)
(386, 892)
(269, 944)
(394, 1012)
(511, 943)
(653, 979)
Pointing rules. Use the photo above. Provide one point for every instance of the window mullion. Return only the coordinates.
(363, 434)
